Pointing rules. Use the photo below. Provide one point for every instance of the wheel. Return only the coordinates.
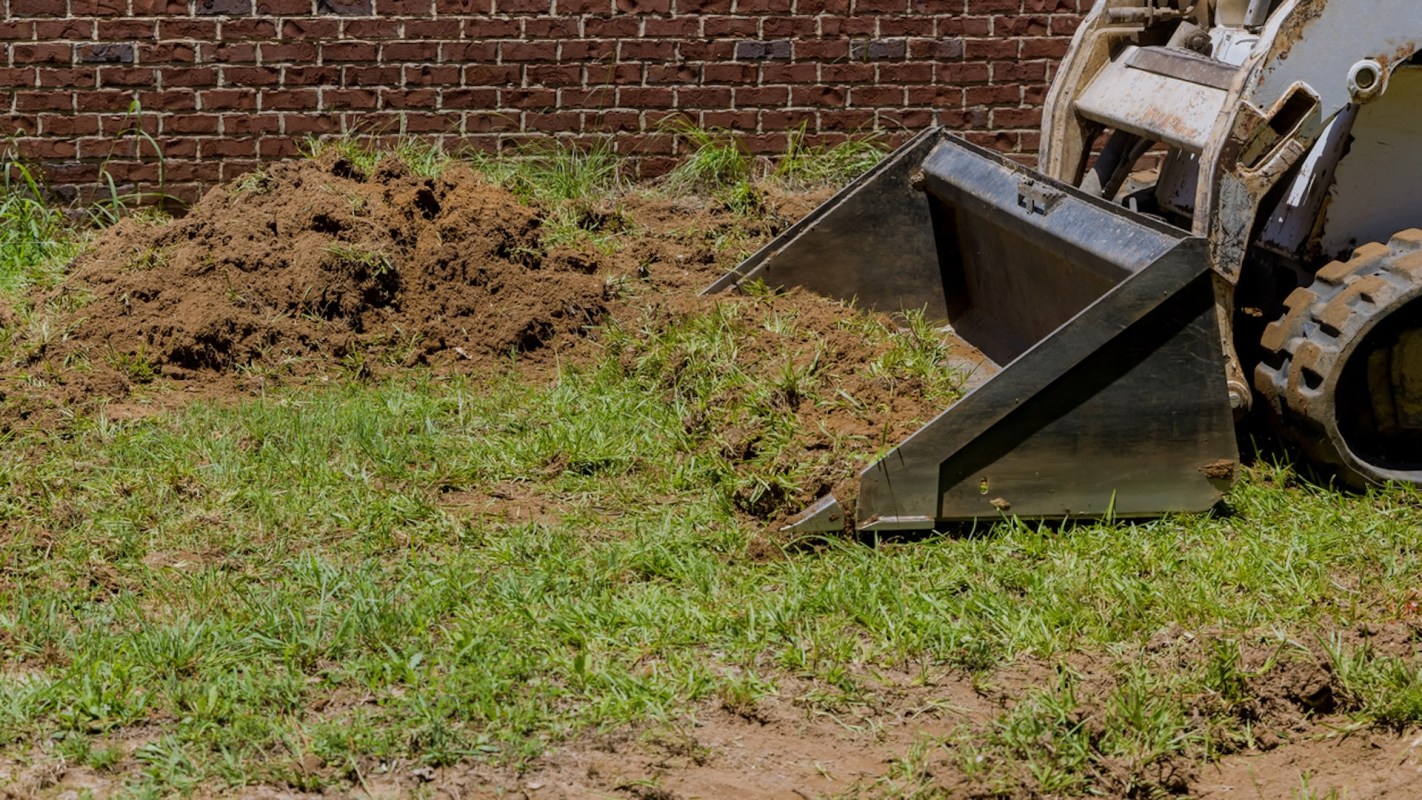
(1341, 373)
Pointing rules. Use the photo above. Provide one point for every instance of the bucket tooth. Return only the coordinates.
(1108, 396)
(825, 515)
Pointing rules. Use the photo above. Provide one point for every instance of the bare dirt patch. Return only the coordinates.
(315, 267)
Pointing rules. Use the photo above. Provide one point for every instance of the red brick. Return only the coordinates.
(289, 99)
(282, 8)
(528, 98)
(151, 8)
(287, 52)
(672, 27)
(83, 78)
(66, 125)
(94, 8)
(408, 99)
(49, 29)
(167, 53)
(38, 8)
(762, 96)
(491, 28)
(409, 51)
(461, 7)
(586, 49)
(583, 7)
(529, 51)
(103, 100)
(197, 29)
(469, 99)
(188, 76)
(312, 76)
(168, 101)
(491, 75)
(228, 147)
(431, 75)
(346, 52)
(251, 76)
(381, 29)
(227, 100)
(399, 8)
(645, 6)
(673, 73)
(551, 28)
(611, 27)
(489, 121)
(310, 123)
(553, 122)
(828, 96)
(553, 75)
(277, 147)
(45, 53)
(728, 26)
(302, 29)
(240, 29)
(334, 100)
(369, 76)
(127, 76)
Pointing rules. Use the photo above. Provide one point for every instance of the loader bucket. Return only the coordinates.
(1096, 325)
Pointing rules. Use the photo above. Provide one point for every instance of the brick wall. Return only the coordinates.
(222, 84)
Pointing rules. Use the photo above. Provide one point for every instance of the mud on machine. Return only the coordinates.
(1223, 224)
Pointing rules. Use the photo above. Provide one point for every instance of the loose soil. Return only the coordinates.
(315, 271)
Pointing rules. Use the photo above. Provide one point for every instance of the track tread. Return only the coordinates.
(1306, 349)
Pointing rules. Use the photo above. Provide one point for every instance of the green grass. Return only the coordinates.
(36, 239)
(298, 589)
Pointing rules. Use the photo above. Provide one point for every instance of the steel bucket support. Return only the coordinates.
(1107, 394)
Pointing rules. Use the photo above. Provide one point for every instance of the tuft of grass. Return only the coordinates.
(36, 239)
(717, 165)
(425, 158)
(575, 185)
(556, 172)
(805, 166)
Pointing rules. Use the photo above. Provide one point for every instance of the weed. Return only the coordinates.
(366, 261)
(362, 154)
(137, 367)
(804, 166)
(258, 181)
(572, 183)
(35, 238)
(716, 162)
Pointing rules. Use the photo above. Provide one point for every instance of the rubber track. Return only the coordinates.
(1305, 351)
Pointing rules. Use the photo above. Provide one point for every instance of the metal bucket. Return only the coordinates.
(1107, 393)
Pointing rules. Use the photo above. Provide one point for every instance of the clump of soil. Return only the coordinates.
(314, 264)
(797, 394)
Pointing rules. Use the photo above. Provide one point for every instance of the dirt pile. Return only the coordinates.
(315, 264)
(318, 270)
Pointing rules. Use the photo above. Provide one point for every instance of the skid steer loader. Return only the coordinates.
(1223, 219)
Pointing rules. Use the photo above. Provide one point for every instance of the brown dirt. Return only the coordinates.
(316, 268)
(314, 271)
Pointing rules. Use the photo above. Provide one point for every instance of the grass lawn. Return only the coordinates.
(335, 588)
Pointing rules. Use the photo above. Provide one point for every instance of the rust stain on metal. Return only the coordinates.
(1292, 31)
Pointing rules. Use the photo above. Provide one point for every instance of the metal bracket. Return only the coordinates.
(1035, 198)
